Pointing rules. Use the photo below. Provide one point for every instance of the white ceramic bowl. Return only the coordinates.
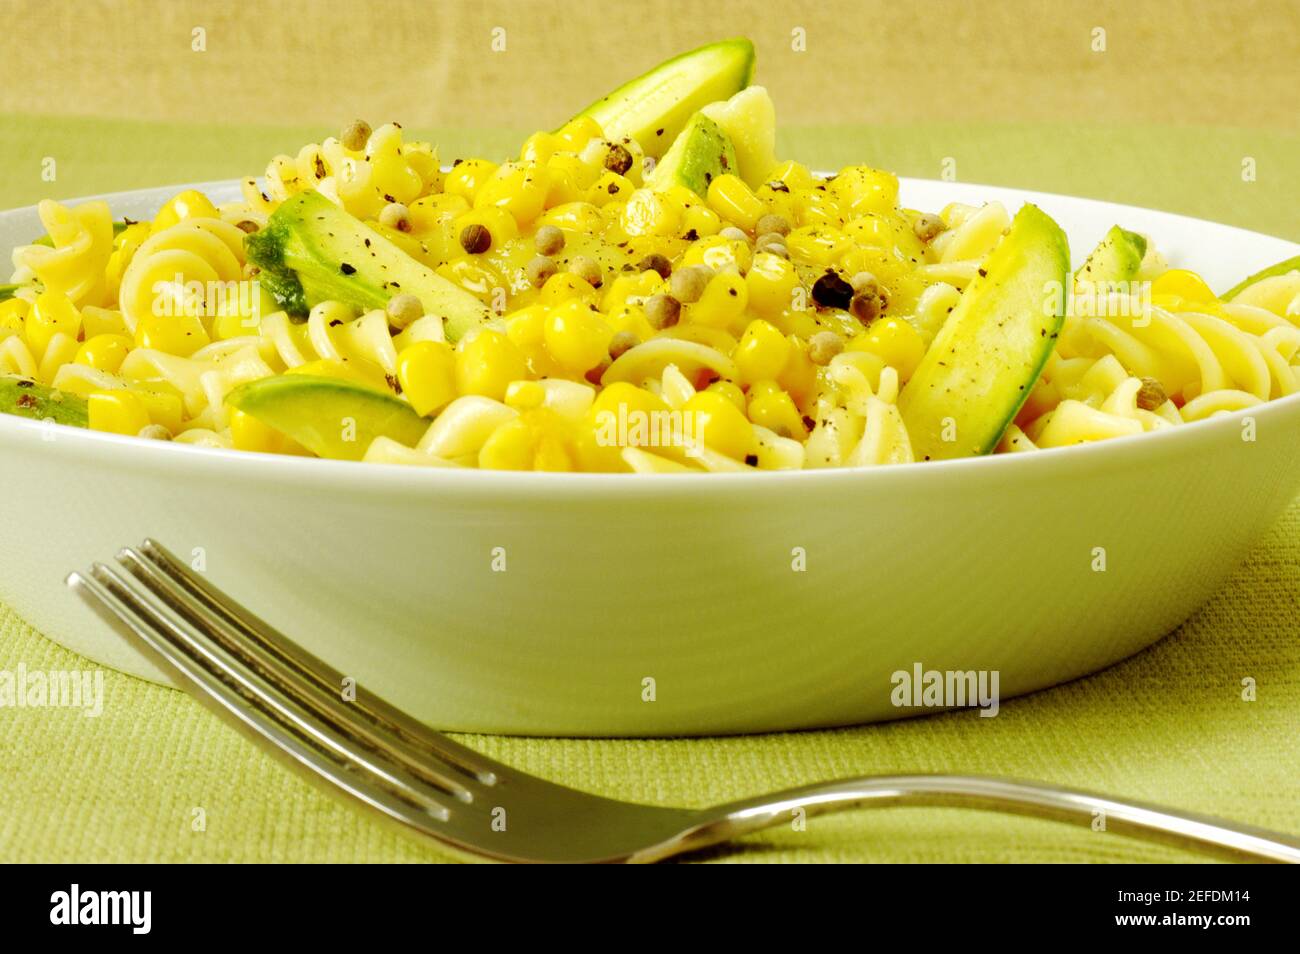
(611, 580)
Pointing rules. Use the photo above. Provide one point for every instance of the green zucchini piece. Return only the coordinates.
(330, 417)
(656, 106)
(1117, 258)
(331, 255)
(700, 153)
(988, 354)
(7, 291)
(1281, 268)
(25, 398)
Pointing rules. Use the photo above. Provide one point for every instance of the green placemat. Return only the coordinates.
(1169, 725)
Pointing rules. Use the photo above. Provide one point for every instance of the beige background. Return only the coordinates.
(431, 64)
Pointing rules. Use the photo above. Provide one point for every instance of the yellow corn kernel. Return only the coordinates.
(247, 433)
(525, 395)
(580, 217)
(799, 376)
(117, 412)
(466, 178)
(723, 302)
(610, 188)
(814, 207)
(13, 314)
(427, 372)
(241, 314)
(102, 321)
(630, 285)
(771, 281)
(1184, 284)
(164, 405)
(734, 201)
(487, 363)
(52, 312)
(720, 424)
(817, 245)
(564, 286)
(561, 188)
(577, 336)
(526, 327)
(342, 369)
(887, 231)
(516, 188)
(861, 189)
(174, 334)
(539, 147)
(699, 221)
(190, 204)
(649, 213)
(428, 213)
(720, 254)
(579, 131)
(730, 391)
(477, 277)
(552, 455)
(774, 409)
(895, 342)
(762, 352)
(778, 201)
(104, 352)
(581, 174)
(794, 174)
(512, 446)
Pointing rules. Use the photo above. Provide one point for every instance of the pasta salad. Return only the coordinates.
(647, 289)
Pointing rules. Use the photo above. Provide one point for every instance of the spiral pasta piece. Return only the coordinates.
(75, 261)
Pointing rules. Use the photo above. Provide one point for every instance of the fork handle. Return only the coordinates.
(1037, 799)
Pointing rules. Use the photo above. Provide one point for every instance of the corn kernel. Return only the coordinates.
(774, 409)
(762, 352)
(428, 213)
(487, 363)
(1184, 284)
(730, 391)
(164, 405)
(699, 221)
(539, 147)
(610, 188)
(861, 189)
(340, 369)
(466, 178)
(795, 175)
(427, 372)
(734, 201)
(817, 244)
(577, 336)
(720, 254)
(649, 213)
(579, 131)
(247, 433)
(116, 412)
(814, 208)
(771, 281)
(723, 302)
(582, 174)
(512, 446)
(525, 395)
(519, 189)
(174, 334)
(720, 424)
(51, 313)
(190, 204)
(104, 352)
(564, 286)
(895, 342)
(526, 327)
(580, 217)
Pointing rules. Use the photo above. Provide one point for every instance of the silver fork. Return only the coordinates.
(293, 704)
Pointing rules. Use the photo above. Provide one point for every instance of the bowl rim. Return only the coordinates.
(14, 428)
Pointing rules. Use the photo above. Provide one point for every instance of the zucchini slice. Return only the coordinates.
(990, 351)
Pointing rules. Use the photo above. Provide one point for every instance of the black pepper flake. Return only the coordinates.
(336, 322)
(808, 422)
(393, 383)
(659, 131)
(347, 269)
(25, 400)
(613, 188)
(776, 185)
(983, 273)
(691, 235)
(751, 460)
(367, 243)
(26, 384)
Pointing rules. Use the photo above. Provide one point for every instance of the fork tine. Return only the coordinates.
(262, 692)
(326, 703)
(254, 629)
(119, 605)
